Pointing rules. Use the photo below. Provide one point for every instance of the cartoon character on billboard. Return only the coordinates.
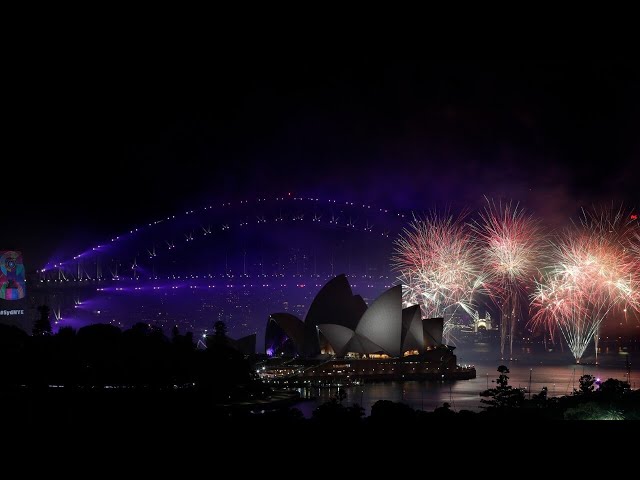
(12, 284)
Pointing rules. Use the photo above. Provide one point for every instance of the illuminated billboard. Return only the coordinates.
(12, 283)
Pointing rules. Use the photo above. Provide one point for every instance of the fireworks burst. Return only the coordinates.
(595, 272)
(510, 242)
(635, 235)
(438, 264)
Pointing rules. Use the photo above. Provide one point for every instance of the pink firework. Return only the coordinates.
(511, 250)
(594, 273)
(438, 264)
(634, 237)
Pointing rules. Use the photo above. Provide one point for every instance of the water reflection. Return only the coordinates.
(556, 371)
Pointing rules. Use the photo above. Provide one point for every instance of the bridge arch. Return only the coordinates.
(128, 279)
(134, 253)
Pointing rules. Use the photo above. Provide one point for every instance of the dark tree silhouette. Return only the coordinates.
(146, 356)
(586, 385)
(100, 354)
(388, 412)
(66, 357)
(12, 345)
(540, 399)
(333, 412)
(111, 376)
(219, 330)
(614, 388)
(504, 395)
(219, 336)
(444, 410)
(503, 379)
(175, 334)
(224, 372)
(66, 332)
(42, 326)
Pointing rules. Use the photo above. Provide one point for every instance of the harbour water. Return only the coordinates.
(532, 371)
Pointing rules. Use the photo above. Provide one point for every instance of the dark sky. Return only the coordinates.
(102, 136)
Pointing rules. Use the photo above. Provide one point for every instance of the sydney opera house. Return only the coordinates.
(342, 337)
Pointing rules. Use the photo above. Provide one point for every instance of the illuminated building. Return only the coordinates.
(342, 337)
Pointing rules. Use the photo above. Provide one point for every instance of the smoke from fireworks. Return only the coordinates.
(438, 264)
(510, 246)
(594, 272)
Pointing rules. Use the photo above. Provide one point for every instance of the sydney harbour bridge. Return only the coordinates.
(231, 261)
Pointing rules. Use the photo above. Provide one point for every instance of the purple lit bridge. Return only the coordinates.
(234, 261)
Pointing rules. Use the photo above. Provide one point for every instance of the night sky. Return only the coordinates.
(104, 137)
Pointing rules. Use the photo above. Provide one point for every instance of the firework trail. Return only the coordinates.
(635, 235)
(511, 249)
(595, 271)
(438, 264)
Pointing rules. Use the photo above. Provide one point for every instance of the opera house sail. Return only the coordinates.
(381, 341)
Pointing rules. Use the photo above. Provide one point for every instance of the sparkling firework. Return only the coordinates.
(510, 245)
(438, 264)
(635, 238)
(595, 272)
